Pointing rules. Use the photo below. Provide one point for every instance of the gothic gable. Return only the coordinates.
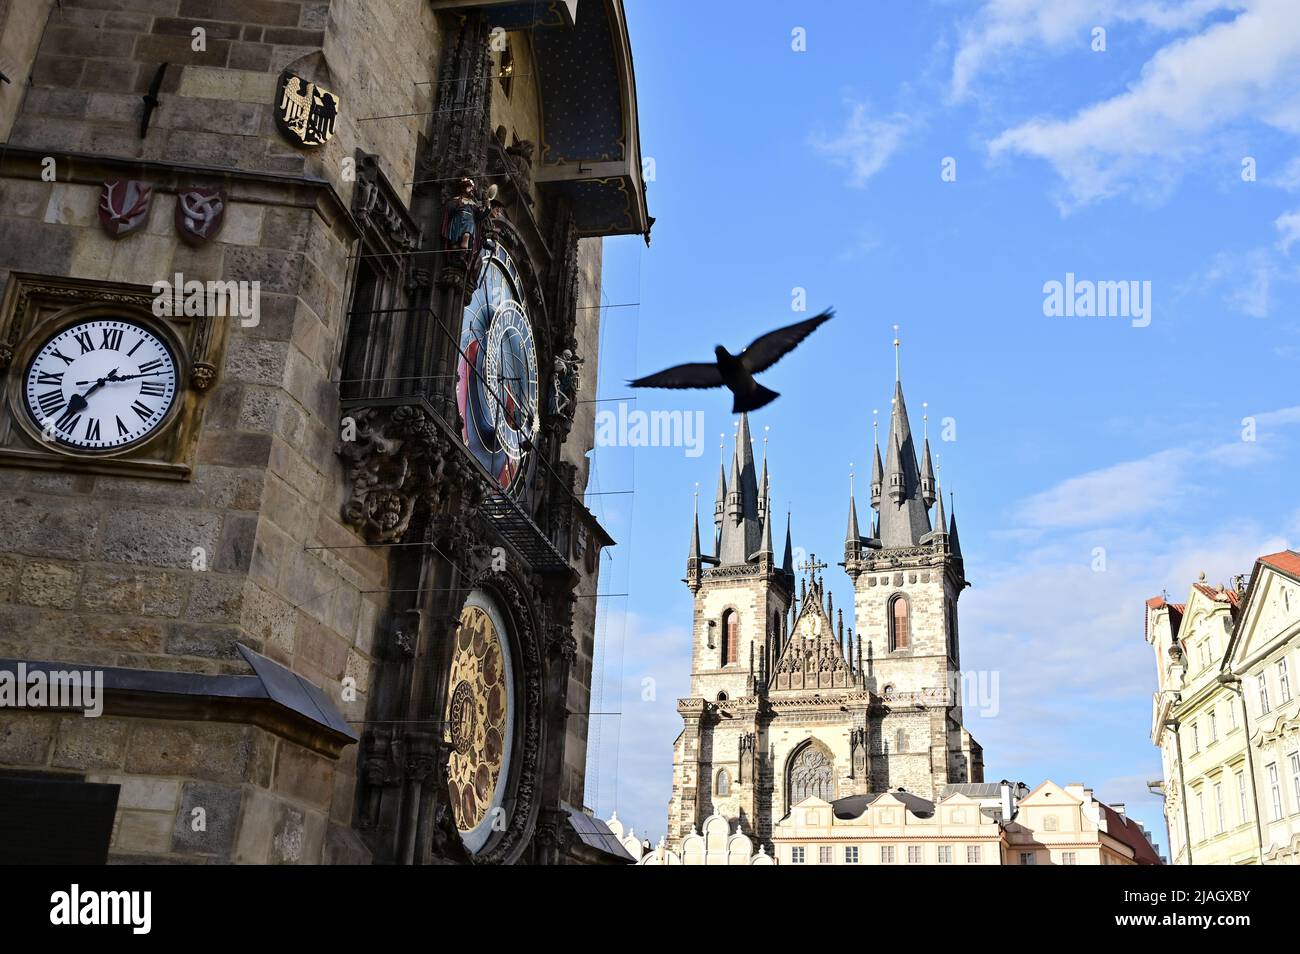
(813, 658)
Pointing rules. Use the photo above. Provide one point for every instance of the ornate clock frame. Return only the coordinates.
(34, 307)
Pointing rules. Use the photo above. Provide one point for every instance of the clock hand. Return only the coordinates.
(113, 378)
(78, 403)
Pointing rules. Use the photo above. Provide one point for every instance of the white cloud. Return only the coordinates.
(865, 144)
(1245, 69)
(1004, 28)
(1288, 227)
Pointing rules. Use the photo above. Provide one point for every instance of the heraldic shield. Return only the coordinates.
(199, 214)
(124, 205)
(306, 112)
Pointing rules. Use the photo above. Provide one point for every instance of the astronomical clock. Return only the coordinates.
(481, 714)
(497, 376)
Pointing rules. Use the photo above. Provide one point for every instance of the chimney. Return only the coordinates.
(1008, 803)
(1119, 809)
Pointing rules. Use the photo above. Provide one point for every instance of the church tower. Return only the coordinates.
(785, 703)
(908, 575)
(743, 596)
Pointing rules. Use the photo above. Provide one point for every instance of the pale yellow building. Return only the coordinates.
(1197, 722)
(1262, 663)
(971, 824)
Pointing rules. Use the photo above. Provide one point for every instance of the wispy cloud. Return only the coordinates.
(864, 144)
(1241, 70)
(1003, 29)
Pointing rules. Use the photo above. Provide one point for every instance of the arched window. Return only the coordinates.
(730, 637)
(724, 782)
(900, 632)
(900, 740)
(811, 773)
(722, 697)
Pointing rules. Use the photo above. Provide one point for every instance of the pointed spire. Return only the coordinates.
(877, 471)
(927, 468)
(787, 561)
(954, 542)
(940, 524)
(742, 530)
(852, 536)
(763, 485)
(695, 527)
(766, 548)
(904, 518)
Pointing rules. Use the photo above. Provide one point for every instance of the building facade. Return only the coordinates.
(1261, 664)
(785, 705)
(1198, 724)
(298, 336)
(971, 824)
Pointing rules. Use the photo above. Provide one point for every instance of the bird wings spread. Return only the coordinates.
(770, 348)
(682, 376)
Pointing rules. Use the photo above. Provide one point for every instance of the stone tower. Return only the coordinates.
(785, 703)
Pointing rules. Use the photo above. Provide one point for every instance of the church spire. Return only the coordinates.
(742, 528)
(852, 537)
(695, 527)
(954, 543)
(904, 517)
(787, 561)
(877, 471)
(927, 468)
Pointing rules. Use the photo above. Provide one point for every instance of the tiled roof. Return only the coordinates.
(1288, 561)
(1130, 833)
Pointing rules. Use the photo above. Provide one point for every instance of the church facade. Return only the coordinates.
(786, 704)
(299, 320)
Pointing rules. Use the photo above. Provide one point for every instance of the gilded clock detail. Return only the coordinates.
(479, 712)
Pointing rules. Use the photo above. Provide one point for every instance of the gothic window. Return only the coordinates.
(811, 774)
(722, 697)
(730, 638)
(900, 634)
(506, 71)
(900, 740)
(724, 782)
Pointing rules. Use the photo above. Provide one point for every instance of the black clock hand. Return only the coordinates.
(78, 402)
(113, 378)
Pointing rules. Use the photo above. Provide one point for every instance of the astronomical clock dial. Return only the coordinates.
(480, 719)
(101, 386)
(497, 380)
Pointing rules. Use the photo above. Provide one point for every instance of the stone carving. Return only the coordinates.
(811, 775)
(400, 460)
(565, 383)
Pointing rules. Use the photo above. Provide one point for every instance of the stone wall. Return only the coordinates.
(99, 569)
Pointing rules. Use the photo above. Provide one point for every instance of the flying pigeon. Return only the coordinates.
(737, 372)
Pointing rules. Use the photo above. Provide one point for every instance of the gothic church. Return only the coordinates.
(784, 705)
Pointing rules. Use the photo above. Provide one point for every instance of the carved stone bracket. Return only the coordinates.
(399, 462)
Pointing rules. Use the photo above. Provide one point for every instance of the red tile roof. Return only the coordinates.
(1126, 830)
(1288, 561)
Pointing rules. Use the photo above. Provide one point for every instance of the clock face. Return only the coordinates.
(497, 382)
(101, 385)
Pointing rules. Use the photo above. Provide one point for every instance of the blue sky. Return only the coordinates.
(776, 169)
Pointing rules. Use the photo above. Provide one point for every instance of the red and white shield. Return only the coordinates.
(124, 206)
(199, 214)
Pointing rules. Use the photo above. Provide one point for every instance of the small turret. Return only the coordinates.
(787, 561)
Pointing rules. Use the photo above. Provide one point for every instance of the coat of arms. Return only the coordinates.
(307, 112)
(199, 214)
(124, 206)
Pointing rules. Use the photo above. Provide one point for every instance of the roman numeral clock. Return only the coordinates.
(101, 384)
(97, 381)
